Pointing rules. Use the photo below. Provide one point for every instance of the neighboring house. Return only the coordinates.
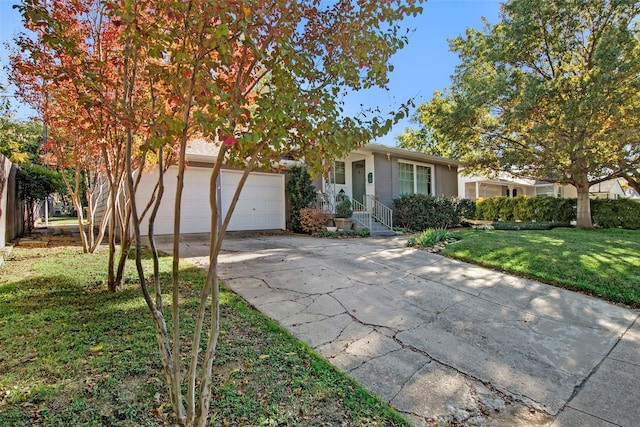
(474, 187)
(632, 194)
(374, 175)
(11, 223)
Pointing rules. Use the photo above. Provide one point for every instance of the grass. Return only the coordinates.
(72, 354)
(63, 220)
(603, 263)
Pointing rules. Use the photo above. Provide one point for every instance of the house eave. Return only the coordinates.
(409, 155)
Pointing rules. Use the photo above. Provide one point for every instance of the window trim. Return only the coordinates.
(415, 175)
(332, 175)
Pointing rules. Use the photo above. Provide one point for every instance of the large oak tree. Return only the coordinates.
(551, 92)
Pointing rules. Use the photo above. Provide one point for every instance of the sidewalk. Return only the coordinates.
(442, 340)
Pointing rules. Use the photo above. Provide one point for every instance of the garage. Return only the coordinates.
(261, 205)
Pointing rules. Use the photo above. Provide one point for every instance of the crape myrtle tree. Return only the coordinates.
(45, 66)
(71, 68)
(551, 92)
(260, 79)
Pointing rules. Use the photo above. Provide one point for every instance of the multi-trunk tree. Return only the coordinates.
(260, 79)
(551, 92)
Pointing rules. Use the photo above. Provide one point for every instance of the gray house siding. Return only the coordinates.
(386, 179)
(446, 180)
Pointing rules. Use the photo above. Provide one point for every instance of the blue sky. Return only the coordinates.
(423, 66)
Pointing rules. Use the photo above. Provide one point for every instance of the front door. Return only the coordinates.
(358, 181)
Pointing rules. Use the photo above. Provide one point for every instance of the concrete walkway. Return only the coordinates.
(442, 340)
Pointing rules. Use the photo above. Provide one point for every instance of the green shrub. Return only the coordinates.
(527, 225)
(364, 232)
(429, 237)
(420, 211)
(523, 208)
(619, 213)
(344, 208)
(465, 208)
(301, 194)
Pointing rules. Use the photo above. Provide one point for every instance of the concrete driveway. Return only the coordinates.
(442, 340)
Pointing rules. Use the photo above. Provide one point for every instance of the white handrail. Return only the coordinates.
(361, 213)
(382, 213)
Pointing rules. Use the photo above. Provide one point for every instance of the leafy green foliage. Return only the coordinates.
(364, 232)
(344, 208)
(550, 92)
(523, 208)
(20, 142)
(301, 193)
(429, 237)
(419, 212)
(604, 263)
(36, 182)
(527, 225)
(619, 213)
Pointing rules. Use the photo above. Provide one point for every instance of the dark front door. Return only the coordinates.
(358, 181)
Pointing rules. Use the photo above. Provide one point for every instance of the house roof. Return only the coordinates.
(604, 186)
(409, 154)
(202, 150)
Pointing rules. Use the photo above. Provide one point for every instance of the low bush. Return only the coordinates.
(312, 220)
(429, 237)
(528, 225)
(344, 233)
(420, 211)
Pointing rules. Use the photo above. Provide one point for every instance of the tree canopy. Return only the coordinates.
(551, 92)
(126, 85)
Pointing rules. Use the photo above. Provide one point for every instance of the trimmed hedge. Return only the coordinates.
(527, 225)
(523, 208)
(619, 213)
(419, 212)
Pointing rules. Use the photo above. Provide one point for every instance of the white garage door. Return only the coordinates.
(261, 205)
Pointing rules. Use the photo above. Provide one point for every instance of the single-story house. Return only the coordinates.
(476, 186)
(372, 174)
(375, 174)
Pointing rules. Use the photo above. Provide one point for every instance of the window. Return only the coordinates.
(414, 179)
(337, 176)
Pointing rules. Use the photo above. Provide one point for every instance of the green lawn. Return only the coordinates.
(604, 263)
(72, 354)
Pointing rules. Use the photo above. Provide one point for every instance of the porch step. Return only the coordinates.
(378, 229)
